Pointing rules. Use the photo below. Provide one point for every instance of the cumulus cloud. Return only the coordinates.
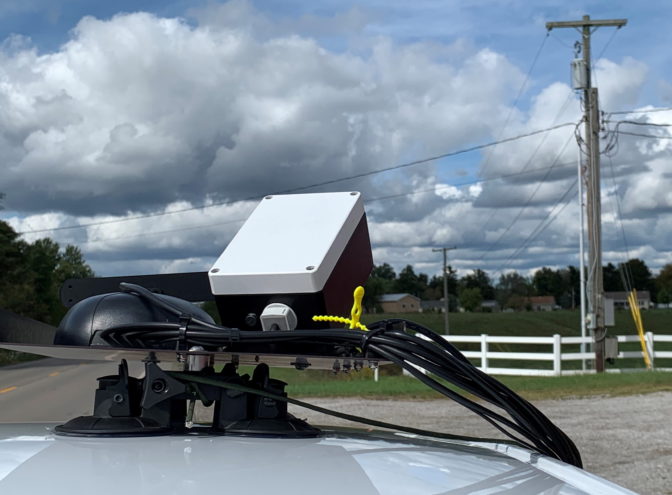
(140, 114)
(137, 111)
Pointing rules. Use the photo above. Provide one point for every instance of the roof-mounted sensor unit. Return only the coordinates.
(308, 251)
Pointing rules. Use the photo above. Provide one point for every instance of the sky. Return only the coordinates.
(145, 132)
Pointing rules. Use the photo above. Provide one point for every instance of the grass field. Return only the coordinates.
(541, 324)
(325, 384)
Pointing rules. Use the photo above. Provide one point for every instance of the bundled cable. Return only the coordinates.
(420, 351)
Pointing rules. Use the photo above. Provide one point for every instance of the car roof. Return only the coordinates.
(34, 460)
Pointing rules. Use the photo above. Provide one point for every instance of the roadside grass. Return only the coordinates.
(13, 357)
(361, 384)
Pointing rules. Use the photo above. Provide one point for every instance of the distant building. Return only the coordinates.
(433, 306)
(490, 305)
(399, 303)
(621, 299)
(541, 303)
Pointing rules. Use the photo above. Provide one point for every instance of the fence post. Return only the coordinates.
(557, 355)
(484, 352)
(649, 347)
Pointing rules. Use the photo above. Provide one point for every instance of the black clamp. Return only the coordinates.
(185, 320)
(368, 336)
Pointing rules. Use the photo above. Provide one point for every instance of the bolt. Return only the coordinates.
(310, 267)
(268, 197)
(353, 194)
(159, 386)
(118, 398)
(214, 270)
(251, 319)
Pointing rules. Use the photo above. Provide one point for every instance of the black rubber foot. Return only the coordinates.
(123, 426)
(290, 427)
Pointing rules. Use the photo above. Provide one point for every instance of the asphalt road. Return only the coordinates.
(51, 389)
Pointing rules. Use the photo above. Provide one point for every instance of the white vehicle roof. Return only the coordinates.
(34, 460)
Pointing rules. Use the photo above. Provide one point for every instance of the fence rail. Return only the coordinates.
(555, 355)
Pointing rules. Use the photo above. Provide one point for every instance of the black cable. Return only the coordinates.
(349, 417)
(407, 344)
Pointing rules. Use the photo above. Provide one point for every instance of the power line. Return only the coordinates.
(635, 122)
(651, 110)
(540, 228)
(370, 200)
(624, 268)
(643, 135)
(534, 153)
(515, 101)
(302, 188)
(468, 183)
(529, 200)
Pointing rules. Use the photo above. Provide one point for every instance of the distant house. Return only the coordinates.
(399, 303)
(621, 299)
(433, 306)
(490, 305)
(542, 303)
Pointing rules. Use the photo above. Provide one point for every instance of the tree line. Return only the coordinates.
(512, 290)
(31, 274)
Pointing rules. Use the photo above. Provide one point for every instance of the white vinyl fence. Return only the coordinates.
(555, 355)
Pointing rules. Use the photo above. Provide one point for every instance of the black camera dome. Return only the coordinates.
(105, 311)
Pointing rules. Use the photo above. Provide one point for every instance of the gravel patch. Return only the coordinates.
(627, 440)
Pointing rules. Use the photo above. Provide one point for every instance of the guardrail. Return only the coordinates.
(556, 356)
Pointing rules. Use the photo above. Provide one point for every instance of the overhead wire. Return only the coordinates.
(624, 268)
(545, 222)
(302, 188)
(516, 99)
(637, 134)
(650, 110)
(527, 202)
(494, 212)
(436, 188)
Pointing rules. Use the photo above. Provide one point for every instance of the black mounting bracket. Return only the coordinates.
(159, 403)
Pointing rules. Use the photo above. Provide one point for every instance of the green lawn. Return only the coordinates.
(325, 384)
(541, 324)
(530, 323)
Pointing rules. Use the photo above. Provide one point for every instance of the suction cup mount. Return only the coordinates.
(159, 403)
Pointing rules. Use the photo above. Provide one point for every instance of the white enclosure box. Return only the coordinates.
(308, 251)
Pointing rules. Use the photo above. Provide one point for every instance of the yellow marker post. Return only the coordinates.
(637, 317)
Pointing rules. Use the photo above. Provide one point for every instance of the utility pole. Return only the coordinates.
(582, 80)
(446, 327)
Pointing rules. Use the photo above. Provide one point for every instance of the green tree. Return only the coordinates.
(409, 282)
(612, 278)
(572, 287)
(664, 284)
(548, 282)
(512, 290)
(33, 273)
(640, 275)
(373, 289)
(470, 298)
(478, 279)
(384, 271)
